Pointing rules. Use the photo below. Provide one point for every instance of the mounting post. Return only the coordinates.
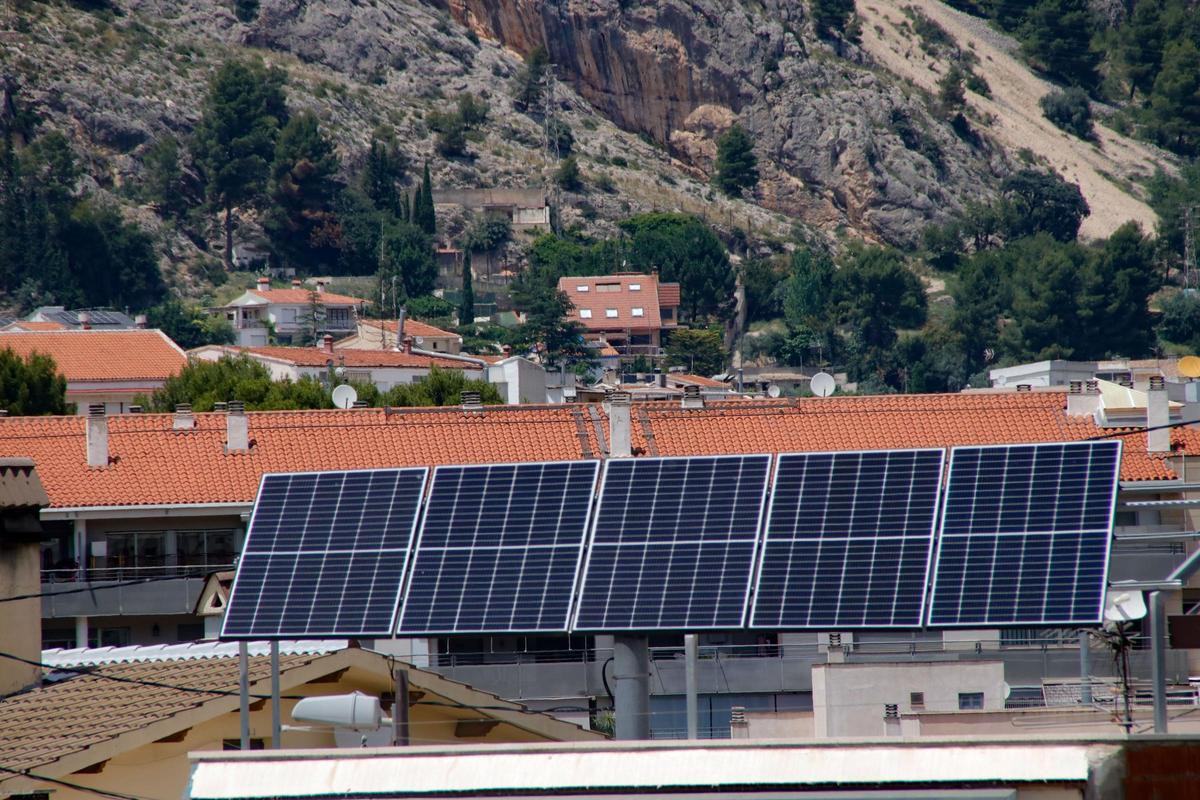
(244, 691)
(400, 734)
(690, 655)
(1085, 668)
(631, 687)
(276, 727)
(1158, 660)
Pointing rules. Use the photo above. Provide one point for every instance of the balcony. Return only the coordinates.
(110, 592)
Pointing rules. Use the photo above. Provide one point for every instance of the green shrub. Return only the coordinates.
(1071, 111)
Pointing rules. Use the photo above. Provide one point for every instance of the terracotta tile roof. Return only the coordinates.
(23, 325)
(584, 294)
(154, 464)
(294, 296)
(41, 726)
(668, 295)
(696, 380)
(412, 327)
(122, 355)
(315, 357)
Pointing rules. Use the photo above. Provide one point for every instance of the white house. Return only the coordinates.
(287, 311)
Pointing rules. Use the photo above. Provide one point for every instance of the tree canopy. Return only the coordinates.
(682, 248)
(737, 166)
(31, 386)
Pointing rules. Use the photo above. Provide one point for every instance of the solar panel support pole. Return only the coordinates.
(276, 726)
(1085, 668)
(631, 687)
(400, 737)
(690, 649)
(1158, 660)
(244, 691)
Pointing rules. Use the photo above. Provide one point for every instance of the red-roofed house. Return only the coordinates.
(383, 334)
(384, 368)
(288, 312)
(109, 367)
(628, 311)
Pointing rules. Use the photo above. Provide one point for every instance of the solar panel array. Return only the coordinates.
(847, 540)
(325, 554)
(679, 544)
(1025, 535)
(674, 544)
(499, 548)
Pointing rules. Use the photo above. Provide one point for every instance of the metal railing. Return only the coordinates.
(123, 573)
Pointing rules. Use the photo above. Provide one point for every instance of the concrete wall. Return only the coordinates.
(849, 699)
(20, 630)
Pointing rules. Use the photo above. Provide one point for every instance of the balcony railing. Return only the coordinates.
(124, 573)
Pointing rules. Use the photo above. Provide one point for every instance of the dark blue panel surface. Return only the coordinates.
(674, 543)
(1026, 535)
(499, 548)
(325, 554)
(848, 540)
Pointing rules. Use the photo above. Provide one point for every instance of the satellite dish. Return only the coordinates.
(1007, 690)
(1189, 366)
(822, 384)
(773, 391)
(344, 396)
(1123, 605)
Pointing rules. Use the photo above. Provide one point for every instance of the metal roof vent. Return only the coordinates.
(359, 404)
(136, 409)
(1024, 387)
(220, 405)
(891, 711)
(1157, 383)
(471, 401)
(1075, 387)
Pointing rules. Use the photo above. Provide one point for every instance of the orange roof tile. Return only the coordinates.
(302, 296)
(24, 325)
(668, 295)
(154, 464)
(412, 327)
(584, 294)
(315, 357)
(124, 355)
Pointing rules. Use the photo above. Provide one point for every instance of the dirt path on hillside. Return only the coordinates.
(1014, 106)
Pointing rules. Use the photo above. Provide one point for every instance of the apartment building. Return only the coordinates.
(389, 334)
(167, 496)
(289, 314)
(628, 311)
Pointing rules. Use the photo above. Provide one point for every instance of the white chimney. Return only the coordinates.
(692, 398)
(1158, 415)
(263, 283)
(140, 321)
(85, 320)
(184, 419)
(320, 287)
(97, 436)
(620, 424)
(237, 428)
(1083, 400)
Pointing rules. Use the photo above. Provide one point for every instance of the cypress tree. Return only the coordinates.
(466, 308)
(423, 215)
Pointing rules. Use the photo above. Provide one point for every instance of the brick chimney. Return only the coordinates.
(85, 320)
(97, 436)
(408, 343)
(326, 345)
(21, 497)
(237, 428)
(1158, 414)
(263, 283)
(620, 425)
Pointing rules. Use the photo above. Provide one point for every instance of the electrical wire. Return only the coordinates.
(79, 787)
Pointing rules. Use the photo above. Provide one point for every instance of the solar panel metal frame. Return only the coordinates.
(595, 521)
(932, 595)
(419, 535)
(934, 529)
(408, 551)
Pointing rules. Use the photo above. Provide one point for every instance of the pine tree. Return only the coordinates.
(466, 308)
(530, 83)
(422, 211)
(164, 177)
(737, 167)
(383, 171)
(1058, 37)
(235, 139)
(1141, 45)
(301, 221)
(830, 16)
(1175, 102)
(567, 175)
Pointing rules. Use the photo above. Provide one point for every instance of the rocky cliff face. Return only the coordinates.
(839, 143)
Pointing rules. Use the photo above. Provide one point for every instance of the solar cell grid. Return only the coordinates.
(847, 540)
(325, 554)
(1026, 535)
(673, 544)
(499, 548)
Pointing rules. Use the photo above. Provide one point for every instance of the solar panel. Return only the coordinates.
(325, 554)
(1025, 535)
(673, 544)
(499, 548)
(848, 540)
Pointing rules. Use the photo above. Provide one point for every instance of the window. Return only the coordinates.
(236, 744)
(916, 699)
(635, 287)
(608, 287)
(585, 313)
(667, 313)
(583, 287)
(970, 701)
(338, 317)
(287, 315)
(639, 312)
(611, 313)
